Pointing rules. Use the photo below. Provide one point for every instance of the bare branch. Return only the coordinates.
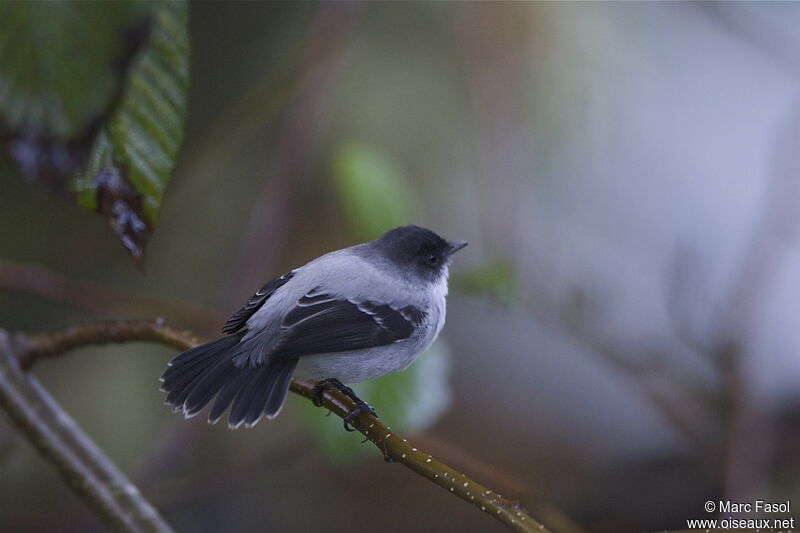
(510, 513)
(750, 437)
(59, 440)
(41, 281)
(35, 347)
(683, 291)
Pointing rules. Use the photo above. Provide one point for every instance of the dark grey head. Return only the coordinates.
(418, 250)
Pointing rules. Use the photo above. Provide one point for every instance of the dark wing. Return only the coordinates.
(240, 317)
(323, 324)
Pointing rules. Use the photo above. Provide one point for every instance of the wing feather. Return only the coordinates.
(240, 317)
(324, 324)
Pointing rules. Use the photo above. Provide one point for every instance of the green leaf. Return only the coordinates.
(141, 139)
(374, 192)
(142, 136)
(408, 401)
(92, 100)
(56, 62)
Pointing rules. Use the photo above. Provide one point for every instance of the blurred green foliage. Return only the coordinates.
(407, 401)
(376, 196)
(56, 62)
(374, 192)
(495, 279)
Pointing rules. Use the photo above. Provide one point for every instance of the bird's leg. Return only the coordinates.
(361, 405)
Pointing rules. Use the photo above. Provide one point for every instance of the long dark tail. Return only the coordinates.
(196, 376)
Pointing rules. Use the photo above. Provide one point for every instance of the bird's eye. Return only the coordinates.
(433, 259)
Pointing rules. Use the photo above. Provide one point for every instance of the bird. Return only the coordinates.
(348, 316)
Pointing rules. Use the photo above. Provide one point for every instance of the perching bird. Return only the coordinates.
(348, 316)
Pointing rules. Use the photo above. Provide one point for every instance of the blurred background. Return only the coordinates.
(622, 340)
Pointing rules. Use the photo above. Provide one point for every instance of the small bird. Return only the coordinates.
(351, 315)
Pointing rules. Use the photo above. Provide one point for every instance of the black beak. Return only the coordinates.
(453, 247)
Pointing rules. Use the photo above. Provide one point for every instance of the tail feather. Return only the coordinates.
(269, 390)
(196, 354)
(227, 394)
(201, 360)
(181, 374)
(195, 377)
(207, 385)
(178, 380)
(262, 385)
(247, 395)
(279, 389)
(198, 358)
(180, 387)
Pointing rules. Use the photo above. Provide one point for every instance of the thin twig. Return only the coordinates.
(392, 445)
(80, 294)
(750, 435)
(550, 514)
(59, 440)
(510, 513)
(35, 347)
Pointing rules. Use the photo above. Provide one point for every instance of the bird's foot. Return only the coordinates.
(386, 455)
(361, 405)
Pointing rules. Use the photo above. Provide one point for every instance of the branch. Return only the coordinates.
(59, 440)
(510, 513)
(87, 296)
(32, 348)
(750, 436)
